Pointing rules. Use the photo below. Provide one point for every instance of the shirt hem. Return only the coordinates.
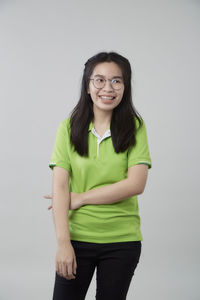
(88, 240)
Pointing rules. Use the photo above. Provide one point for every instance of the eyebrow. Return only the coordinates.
(104, 76)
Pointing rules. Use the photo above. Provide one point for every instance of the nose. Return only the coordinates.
(108, 86)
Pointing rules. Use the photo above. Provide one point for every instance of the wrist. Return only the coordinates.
(63, 245)
(83, 199)
(63, 242)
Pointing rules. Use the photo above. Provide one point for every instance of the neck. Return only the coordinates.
(102, 118)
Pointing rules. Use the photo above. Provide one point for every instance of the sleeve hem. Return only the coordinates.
(136, 162)
(52, 165)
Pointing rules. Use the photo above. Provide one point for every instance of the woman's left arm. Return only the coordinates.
(134, 184)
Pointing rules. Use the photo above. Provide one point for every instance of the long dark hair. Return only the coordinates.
(123, 124)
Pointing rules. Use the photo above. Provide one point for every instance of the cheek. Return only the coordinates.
(89, 90)
(121, 96)
(93, 96)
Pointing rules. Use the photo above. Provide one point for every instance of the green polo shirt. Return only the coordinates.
(101, 223)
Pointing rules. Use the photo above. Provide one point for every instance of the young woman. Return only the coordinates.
(100, 164)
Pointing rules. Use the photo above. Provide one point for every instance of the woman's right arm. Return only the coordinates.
(65, 256)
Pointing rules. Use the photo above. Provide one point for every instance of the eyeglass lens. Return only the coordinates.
(115, 83)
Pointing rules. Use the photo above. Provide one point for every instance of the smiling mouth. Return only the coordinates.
(106, 98)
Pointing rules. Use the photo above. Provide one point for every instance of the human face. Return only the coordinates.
(108, 70)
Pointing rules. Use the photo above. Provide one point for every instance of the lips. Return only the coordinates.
(107, 97)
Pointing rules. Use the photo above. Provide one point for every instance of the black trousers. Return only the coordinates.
(115, 264)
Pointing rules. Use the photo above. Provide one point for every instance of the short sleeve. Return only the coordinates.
(139, 154)
(60, 155)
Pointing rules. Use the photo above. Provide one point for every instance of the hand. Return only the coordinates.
(66, 264)
(75, 200)
(48, 197)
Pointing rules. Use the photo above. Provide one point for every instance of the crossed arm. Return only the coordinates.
(134, 184)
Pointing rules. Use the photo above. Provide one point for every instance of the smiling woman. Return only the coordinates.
(109, 91)
(102, 148)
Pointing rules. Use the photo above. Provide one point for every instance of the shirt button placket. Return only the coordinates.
(99, 139)
(98, 143)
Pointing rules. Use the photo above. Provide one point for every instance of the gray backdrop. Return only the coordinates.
(44, 45)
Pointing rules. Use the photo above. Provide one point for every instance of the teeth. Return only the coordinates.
(109, 98)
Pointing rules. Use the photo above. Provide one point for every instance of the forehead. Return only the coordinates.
(107, 69)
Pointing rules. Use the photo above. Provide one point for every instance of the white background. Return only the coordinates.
(43, 48)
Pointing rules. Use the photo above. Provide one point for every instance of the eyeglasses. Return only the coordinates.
(100, 82)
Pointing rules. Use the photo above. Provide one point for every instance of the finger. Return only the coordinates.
(64, 270)
(69, 269)
(57, 268)
(50, 207)
(74, 266)
(60, 269)
(48, 196)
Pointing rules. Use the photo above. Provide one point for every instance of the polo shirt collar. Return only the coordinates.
(91, 125)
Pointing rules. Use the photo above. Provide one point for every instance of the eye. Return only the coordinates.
(116, 81)
(99, 79)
